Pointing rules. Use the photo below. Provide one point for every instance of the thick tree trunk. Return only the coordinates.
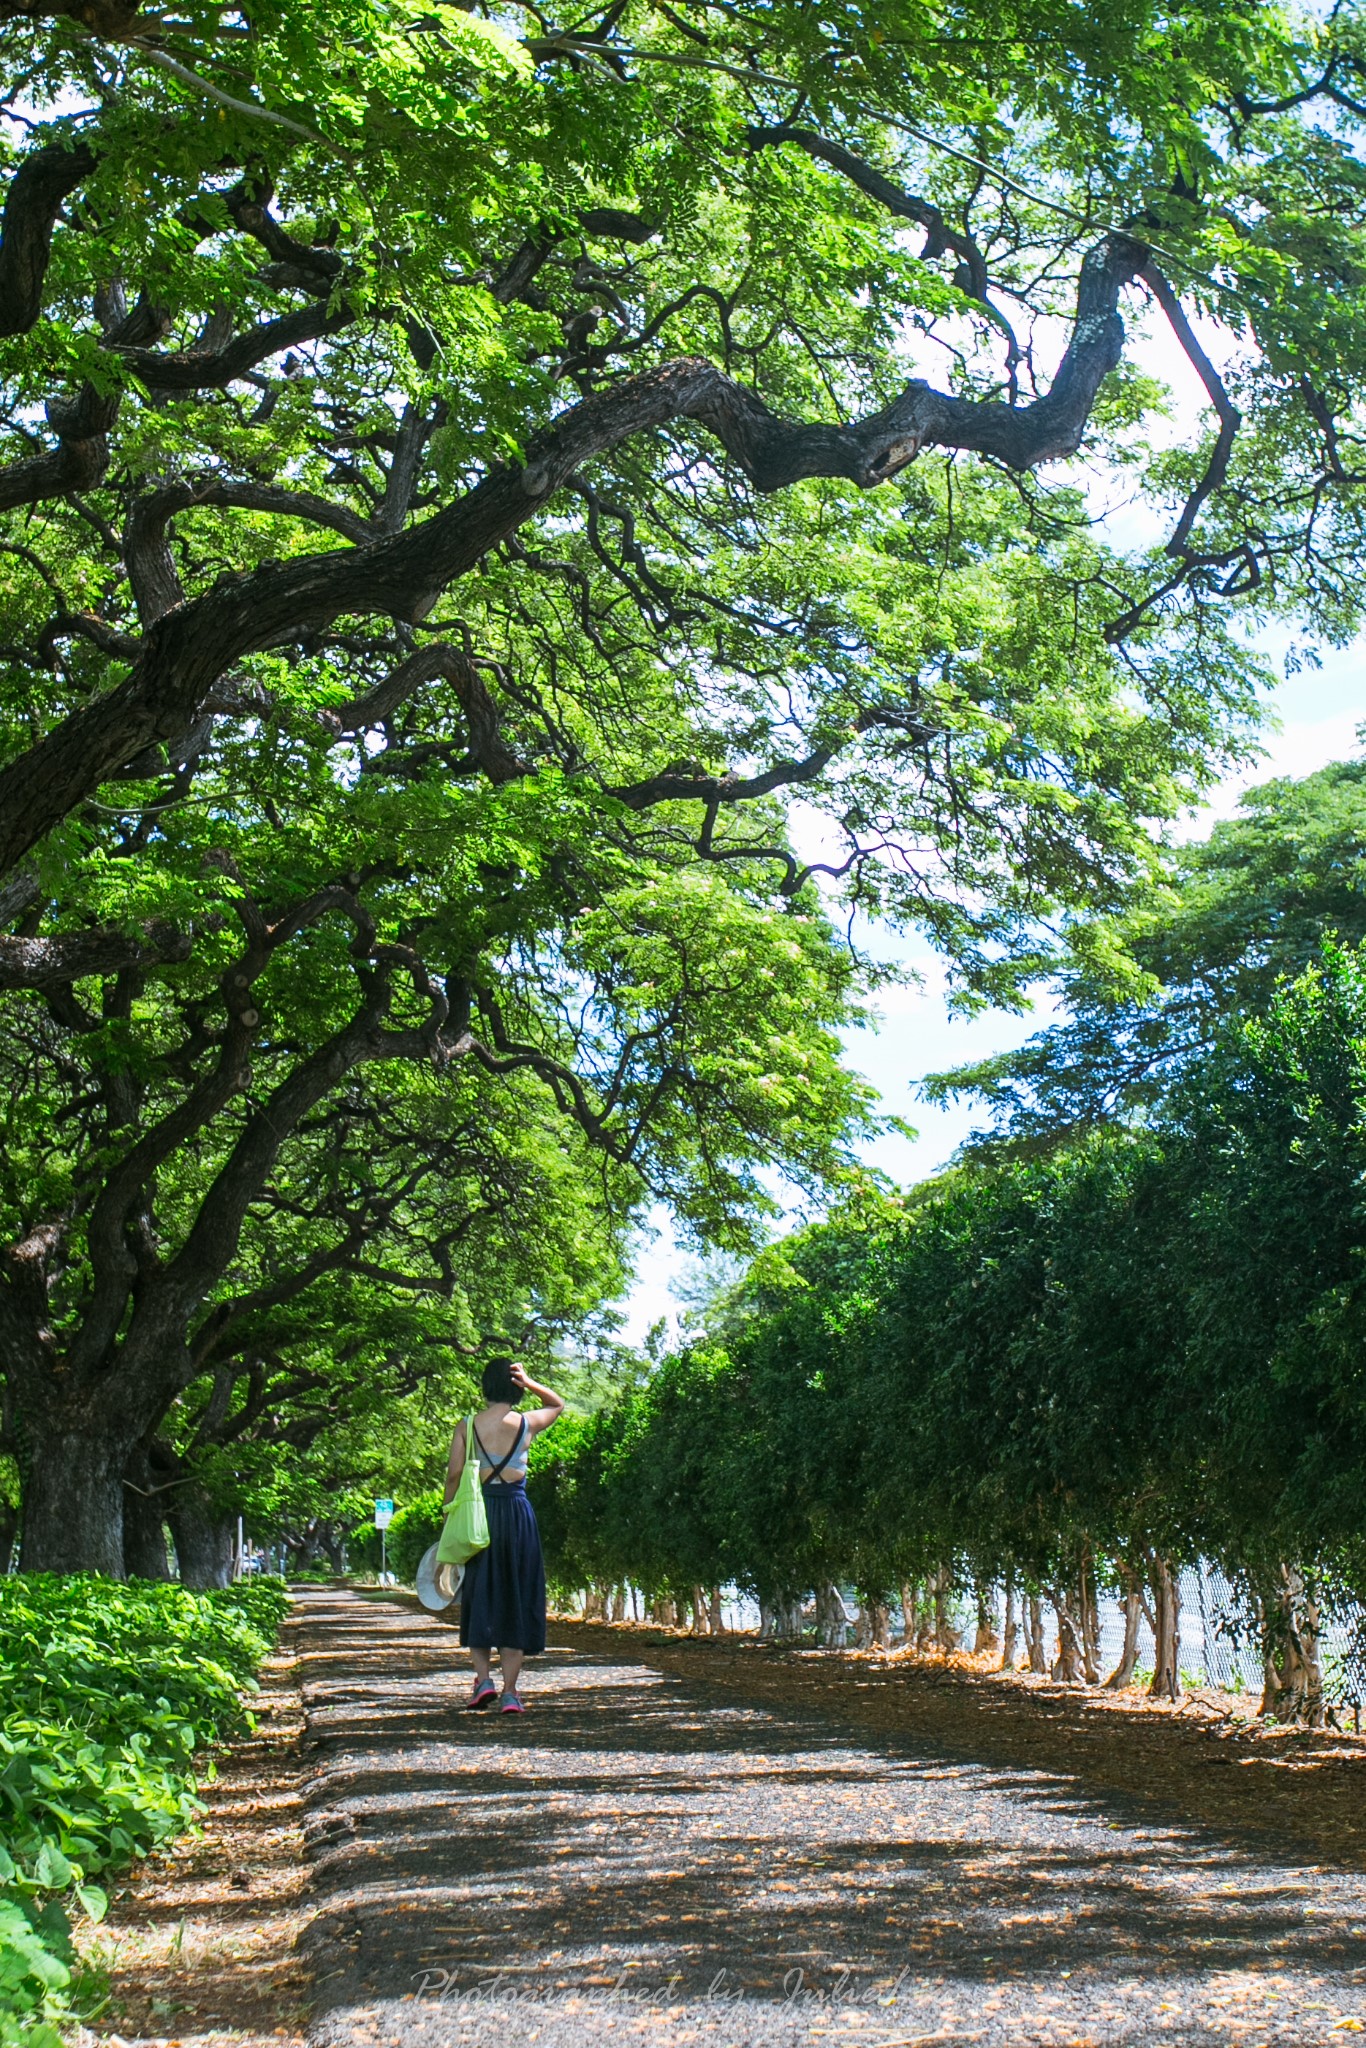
(73, 1502)
(618, 1603)
(873, 1627)
(1089, 1605)
(699, 1611)
(924, 1618)
(1123, 1673)
(946, 1636)
(144, 1537)
(144, 1516)
(832, 1621)
(780, 1620)
(715, 1619)
(907, 1614)
(1166, 1683)
(205, 1541)
(1292, 1669)
(1010, 1633)
(1069, 1667)
(1038, 1653)
(986, 1642)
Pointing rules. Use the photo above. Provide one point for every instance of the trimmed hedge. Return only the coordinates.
(109, 1691)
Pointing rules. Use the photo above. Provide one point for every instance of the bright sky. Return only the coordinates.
(1317, 713)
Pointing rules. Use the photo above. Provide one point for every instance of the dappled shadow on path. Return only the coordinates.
(624, 1824)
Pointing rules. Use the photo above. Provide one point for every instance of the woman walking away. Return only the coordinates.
(502, 1598)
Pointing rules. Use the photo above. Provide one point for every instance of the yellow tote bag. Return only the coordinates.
(467, 1522)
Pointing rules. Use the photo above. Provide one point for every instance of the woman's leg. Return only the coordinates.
(480, 1661)
(511, 1661)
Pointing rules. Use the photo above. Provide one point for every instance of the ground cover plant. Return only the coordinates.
(113, 1694)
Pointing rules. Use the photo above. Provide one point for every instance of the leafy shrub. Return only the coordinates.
(108, 1692)
(412, 1530)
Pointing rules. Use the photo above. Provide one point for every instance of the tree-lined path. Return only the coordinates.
(647, 1859)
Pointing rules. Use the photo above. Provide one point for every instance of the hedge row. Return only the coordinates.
(1100, 1364)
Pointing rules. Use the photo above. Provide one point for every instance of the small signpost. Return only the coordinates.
(384, 1515)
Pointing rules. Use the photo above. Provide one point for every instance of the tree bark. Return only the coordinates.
(205, 1539)
(44, 178)
(946, 1636)
(73, 1501)
(715, 1620)
(1069, 1666)
(986, 1641)
(781, 1620)
(874, 1625)
(149, 1488)
(144, 1530)
(832, 1621)
(924, 1616)
(1038, 1653)
(1166, 1683)
(1123, 1673)
(1292, 1668)
(1089, 1606)
(907, 1614)
(1010, 1632)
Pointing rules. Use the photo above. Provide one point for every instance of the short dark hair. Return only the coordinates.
(497, 1381)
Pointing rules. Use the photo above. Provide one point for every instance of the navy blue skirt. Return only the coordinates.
(502, 1596)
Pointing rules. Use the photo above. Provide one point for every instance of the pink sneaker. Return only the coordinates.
(511, 1703)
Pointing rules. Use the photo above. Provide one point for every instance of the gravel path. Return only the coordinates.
(643, 1859)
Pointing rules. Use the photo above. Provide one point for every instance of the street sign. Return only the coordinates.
(384, 1513)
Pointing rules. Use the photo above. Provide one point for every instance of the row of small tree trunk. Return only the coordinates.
(1064, 1645)
(700, 1612)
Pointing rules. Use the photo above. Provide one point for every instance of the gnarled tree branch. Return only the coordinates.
(36, 191)
(404, 575)
(56, 962)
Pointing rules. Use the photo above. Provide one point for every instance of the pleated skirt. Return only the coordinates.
(502, 1597)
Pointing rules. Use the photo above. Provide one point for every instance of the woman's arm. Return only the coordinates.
(455, 1464)
(539, 1418)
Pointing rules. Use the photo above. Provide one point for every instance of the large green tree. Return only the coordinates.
(1147, 993)
(441, 547)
